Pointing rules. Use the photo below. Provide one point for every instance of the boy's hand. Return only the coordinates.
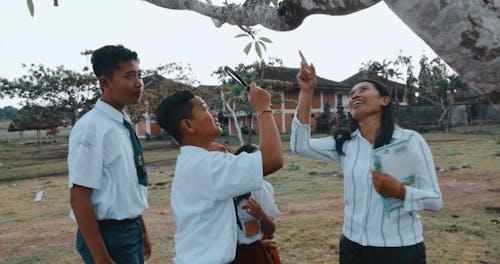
(306, 78)
(259, 98)
(253, 208)
(387, 186)
(147, 246)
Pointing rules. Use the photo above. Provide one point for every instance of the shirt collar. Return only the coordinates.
(396, 134)
(112, 112)
(192, 149)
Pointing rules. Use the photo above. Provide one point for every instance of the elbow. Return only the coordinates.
(73, 199)
(273, 165)
(435, 204)
(438, 204)
(298, 149)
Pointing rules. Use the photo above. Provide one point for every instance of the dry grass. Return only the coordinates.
(309, 194)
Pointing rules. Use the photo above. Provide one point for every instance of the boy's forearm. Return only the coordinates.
(87, 223)
(270, 144)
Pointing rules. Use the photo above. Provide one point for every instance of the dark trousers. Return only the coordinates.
(354, 253)
(123, 240)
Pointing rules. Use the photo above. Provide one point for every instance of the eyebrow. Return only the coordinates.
(132, 72)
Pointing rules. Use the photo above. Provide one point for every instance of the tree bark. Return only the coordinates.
(464, 33)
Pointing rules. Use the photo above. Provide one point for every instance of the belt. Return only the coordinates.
(118, 222)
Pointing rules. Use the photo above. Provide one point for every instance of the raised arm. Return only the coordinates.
(301, 142)
(270, 142)
(306, 78)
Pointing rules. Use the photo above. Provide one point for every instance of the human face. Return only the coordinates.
(365, 100)
(125, 87)
(204, 121)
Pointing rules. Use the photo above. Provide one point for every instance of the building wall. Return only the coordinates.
(283, 112)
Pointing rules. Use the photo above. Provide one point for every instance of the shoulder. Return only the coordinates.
(91, 125)
(407, 134)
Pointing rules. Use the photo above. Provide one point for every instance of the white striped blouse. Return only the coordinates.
(365, 221)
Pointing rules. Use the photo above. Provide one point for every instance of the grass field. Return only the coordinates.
(309, 194)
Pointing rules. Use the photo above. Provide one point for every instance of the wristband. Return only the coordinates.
(264, 111)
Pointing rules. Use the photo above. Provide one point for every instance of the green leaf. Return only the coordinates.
(241, 35)
(247, 48)
(275, 2)
(257, 49)
(31, 7)
(263, 45)
(265, 39)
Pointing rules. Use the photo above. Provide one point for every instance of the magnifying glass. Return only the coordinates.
(236, 77)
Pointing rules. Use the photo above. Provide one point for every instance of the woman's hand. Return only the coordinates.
(306, 78)
(387, 186)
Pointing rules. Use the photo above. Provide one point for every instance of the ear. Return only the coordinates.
(186, 126)
(386, 100)
(105, 83)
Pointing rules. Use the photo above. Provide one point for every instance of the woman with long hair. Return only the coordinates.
(371, 234)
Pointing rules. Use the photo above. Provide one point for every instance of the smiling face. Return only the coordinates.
(125, 87)
(365, 100)
(204, 122)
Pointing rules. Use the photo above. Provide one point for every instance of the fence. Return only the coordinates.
(426, 117)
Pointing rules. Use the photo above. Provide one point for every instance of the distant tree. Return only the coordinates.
(172, 77)
(324, 120)
(37, 117)
(8, 113)
(437, 87)
(235, 97)
(387, 69)
(63, 90)
(340, 117)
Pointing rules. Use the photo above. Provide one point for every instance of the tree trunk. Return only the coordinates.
(465, 33)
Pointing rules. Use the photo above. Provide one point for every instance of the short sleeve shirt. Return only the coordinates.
(202, 194)
(100, 157)
(265, 197)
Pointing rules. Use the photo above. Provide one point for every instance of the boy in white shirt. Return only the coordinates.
(107, 176)
(206, 182)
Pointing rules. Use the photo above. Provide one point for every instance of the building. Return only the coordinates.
(287, 94)
(283, 82)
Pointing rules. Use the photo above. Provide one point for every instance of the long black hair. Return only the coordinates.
(341, 135)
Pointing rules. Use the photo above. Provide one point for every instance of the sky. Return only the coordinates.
(336, 45)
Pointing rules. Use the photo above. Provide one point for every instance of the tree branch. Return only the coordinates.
(287, 16)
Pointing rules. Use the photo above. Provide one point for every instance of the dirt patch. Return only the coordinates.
(56, 230)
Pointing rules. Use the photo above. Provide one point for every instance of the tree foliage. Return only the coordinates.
(62, 90)
(170, 77)
(8, 113)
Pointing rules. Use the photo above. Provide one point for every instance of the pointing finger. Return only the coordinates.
(303, 59)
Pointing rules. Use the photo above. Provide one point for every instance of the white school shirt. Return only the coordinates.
(101, 157)
(265, 197)
(202, 192)
(365, 221)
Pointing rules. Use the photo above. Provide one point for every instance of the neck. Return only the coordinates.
(370, 128)
(196, 141)
(115, 105)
